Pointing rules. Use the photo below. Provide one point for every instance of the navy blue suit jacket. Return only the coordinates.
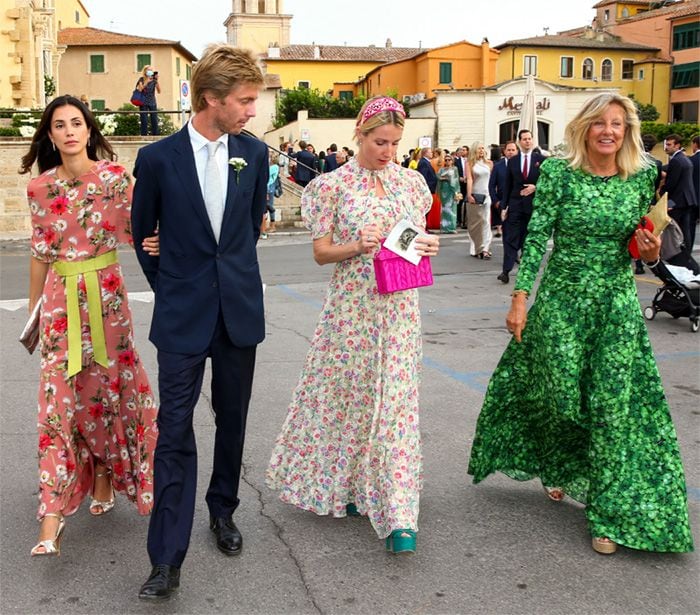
(497, 181)
(679, 182)
(695, 161)
(303, 174)
(427, 171)
(194, 278)
(515, 181)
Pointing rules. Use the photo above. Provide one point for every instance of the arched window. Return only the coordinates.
(606, 70)
(587, 70)
(625, 13)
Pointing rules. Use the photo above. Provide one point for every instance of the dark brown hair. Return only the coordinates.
(41, 149)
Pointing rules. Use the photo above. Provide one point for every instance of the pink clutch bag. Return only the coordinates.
(394, 273)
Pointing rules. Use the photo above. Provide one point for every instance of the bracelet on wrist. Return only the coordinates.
(656, 262)
(515, 293)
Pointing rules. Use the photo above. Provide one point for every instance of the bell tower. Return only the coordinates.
(257, 25)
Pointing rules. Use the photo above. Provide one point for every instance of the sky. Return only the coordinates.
(408, 23)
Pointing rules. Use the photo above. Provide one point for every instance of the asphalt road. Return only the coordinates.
(499, 547)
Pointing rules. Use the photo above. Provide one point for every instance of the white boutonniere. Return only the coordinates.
(238, 165)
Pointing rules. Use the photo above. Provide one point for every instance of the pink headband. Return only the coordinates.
(379, 105)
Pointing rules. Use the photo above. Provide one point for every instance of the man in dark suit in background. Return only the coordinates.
(695, 160)
(497, 181)
(204, 188)
(426, 169)
(679, 186)
(332, 158)
(304, 172)
(521, 176)
(460, 159)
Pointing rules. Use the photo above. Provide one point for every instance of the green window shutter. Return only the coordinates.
(686, 76)
(142, 59)
(686, 36)
(97, 64)
(97, 105)
(445, 72)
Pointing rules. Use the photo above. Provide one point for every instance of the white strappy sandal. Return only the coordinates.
(50, 546)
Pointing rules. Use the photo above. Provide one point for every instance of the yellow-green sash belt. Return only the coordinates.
(70, 271)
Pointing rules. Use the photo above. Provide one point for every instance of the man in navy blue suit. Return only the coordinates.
(305, 171)
(521, 177)
(682, 199)
(497, 181)
(204, 188)
(426, 169)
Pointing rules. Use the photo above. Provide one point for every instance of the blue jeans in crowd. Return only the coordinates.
(145, 112)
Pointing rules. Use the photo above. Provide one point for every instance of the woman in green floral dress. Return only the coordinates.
(576, 399)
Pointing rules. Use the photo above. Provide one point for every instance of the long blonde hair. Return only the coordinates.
(474, 153)
(630, 158)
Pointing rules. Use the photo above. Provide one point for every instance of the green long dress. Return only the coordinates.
(580, 403)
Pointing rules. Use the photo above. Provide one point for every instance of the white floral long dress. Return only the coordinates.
(351, 432)
(105, 414)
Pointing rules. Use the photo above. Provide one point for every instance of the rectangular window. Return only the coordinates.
(177, 66)
(188, 72)
(97, 63)
(685, 112)
(640, 74)
(304, 85)
(686, 76)
(345, 95)
(686, 36)
(530, 66)
(445, 72)
(567, 67)
(627, 69)
(142, 59)
(97, 104)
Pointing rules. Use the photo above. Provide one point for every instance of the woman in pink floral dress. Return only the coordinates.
(351, 442)
(97, 430)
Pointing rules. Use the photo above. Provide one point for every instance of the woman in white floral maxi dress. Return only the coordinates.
(351, 443)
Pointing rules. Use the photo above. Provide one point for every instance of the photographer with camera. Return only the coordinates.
(148, 85)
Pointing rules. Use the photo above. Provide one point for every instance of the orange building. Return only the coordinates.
(674, 28)
(455, 66)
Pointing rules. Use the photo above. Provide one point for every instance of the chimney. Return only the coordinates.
(273, 52)
(317, 52)
(388, 44)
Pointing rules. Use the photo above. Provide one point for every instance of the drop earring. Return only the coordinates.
(53, 145)
(88, 141)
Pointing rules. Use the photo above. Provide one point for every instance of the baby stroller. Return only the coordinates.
(674, 298)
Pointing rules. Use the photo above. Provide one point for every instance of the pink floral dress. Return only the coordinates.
(351, 432)
(106, 414)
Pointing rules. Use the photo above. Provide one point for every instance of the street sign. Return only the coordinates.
(185, 102)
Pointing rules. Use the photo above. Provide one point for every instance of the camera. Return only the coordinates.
(155, 74)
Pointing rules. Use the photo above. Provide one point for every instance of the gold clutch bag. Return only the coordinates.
(658, 215)
(29, 337)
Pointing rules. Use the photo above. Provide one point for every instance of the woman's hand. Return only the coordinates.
(471, 200)
(151, 245)
(517, 316)
(649, 245)
(370, 238)
(427, 245)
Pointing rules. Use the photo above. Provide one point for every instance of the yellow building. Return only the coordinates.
(458, 65)
(106, 65)
(320, 66)
(593, 60)
(257, 24)
(29, 52)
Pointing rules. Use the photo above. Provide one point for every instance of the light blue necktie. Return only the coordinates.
(213, 192)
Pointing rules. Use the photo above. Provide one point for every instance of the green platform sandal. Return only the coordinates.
(401, 541)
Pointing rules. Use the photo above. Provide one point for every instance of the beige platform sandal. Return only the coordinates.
(604, 545)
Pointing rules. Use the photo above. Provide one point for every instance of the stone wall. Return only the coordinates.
(14, 213)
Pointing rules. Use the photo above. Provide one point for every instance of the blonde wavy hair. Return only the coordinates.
(219, 70)
(474, 152)
(630, 158)
(380, 119)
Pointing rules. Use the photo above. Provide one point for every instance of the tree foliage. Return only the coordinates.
(317, 104)
(661, 131)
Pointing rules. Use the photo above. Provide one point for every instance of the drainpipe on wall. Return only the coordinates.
(512, 63)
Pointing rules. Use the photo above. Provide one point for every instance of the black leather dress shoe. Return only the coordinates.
(504, 278)
(162, 581)
(228, 538)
